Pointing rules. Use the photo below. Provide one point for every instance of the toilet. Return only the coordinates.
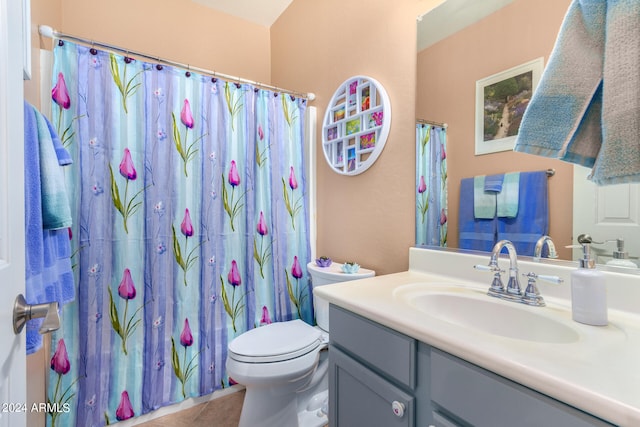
(283, 366)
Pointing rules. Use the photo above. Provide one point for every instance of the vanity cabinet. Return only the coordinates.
(380, 377)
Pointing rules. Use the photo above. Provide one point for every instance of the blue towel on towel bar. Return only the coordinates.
(484, 202)
(48, 272)
(56, 211)
(532, 221)
(493, 183)
(507, 200)
(476, 234)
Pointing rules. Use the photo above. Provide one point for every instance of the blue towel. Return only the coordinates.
(48, 271)
(507, 200)
(532, 221)
(475, 234)
(586, 108)
(484, 203)
(493, 183)
(56, 211)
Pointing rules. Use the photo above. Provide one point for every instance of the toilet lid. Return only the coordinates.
(275, 342)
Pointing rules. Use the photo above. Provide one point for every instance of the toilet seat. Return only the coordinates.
(276, 342)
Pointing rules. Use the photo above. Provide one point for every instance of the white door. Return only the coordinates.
(606, 213)
(12, 347)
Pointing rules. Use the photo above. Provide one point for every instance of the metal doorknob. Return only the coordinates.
(23, 312)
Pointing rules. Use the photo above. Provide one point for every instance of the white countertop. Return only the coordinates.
(598, 373)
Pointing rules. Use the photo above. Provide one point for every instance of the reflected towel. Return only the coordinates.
(476, 234)
(586, 108)
(484, 203)
(493, 183)
(507, 200)
(532, 221)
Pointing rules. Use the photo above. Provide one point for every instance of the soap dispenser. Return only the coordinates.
(620, 256)
(588, 290)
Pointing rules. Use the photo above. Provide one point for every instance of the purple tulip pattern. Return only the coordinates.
(231, 205)
(61, 365)
(126, 87)
(293, 206)
(187, 151)
(262, 254)
(260, 155)
(265, 319)
(60, 95)
(296, 295)
(124, 411)
(234, 104)
(233, 308)
(186, 228)
(185, 370)
(128, 325)
(423, 202)
(125, 207)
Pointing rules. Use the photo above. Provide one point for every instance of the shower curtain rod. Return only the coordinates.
(47, 31)
(428, 122)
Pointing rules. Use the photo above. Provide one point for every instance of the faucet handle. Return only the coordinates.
(551, 279)
(531, 294)
(494, 268)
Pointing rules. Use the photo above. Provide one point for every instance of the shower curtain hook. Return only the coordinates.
(188, 73)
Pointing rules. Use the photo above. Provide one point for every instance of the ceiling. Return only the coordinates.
(442, 21)
(452, 16)
(262, 12)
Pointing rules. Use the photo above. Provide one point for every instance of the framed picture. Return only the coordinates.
(501, 100)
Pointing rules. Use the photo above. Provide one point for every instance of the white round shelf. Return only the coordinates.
(356, 125)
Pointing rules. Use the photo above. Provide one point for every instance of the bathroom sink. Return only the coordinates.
(475, 310)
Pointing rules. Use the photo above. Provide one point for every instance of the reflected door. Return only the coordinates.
(606, 213)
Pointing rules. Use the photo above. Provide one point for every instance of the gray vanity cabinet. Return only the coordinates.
(381, 378)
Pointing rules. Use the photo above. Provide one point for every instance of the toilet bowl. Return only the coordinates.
(284, 365)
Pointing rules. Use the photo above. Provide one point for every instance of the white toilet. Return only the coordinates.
(283, 367)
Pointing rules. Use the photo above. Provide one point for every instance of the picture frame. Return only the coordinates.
(501, 100)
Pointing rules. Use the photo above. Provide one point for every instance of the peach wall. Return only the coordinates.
(367, 218)
(178, 30)
(447, 74)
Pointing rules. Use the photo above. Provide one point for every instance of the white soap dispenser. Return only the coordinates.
(588, 291)
(620, 256)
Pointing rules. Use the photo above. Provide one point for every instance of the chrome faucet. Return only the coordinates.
(513, 286)
(497, 289)
(537, 252)
(531, 295)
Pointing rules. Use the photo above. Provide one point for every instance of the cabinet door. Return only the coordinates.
(484, 399)
(359, 397)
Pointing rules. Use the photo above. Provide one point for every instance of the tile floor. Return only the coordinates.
(220, 412)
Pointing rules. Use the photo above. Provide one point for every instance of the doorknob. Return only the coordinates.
(23, 312)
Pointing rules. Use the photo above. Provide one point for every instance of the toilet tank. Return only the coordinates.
(321, 276)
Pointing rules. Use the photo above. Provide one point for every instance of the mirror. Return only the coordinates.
(463, 41)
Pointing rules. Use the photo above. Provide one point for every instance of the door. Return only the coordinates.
(606, 213)
(12, 348)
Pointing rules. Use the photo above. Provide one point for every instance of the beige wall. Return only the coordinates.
(447, 73)
(316, 45)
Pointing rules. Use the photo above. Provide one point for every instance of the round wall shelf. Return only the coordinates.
(356, 125)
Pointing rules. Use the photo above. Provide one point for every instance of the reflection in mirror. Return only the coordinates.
(431, 174)
(461, 42)
(516, 32)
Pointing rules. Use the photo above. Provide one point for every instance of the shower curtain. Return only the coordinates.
(190, 227)
(431, 185)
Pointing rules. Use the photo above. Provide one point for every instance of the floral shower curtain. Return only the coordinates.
(431, 185)
(190, 227)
